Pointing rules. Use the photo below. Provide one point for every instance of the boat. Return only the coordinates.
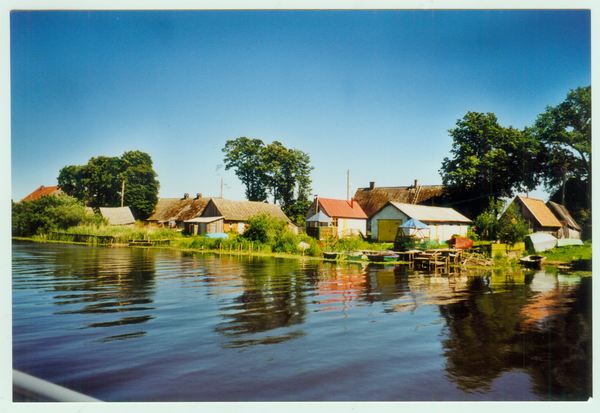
(540, 241)
(355, 256)
(382, 257)
(533, 261)
(460, 243)
(331, 255)
(568, 241)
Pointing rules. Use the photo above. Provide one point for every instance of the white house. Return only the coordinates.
(442, 222)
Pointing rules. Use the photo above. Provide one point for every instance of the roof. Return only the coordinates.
(430, 214)
(339, 208)
(43, 191)
(178, 209)
(562, 214)
(118, 216)
(540, 211)
(244, 210)
(371, 200)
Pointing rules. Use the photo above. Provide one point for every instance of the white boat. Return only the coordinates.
(569, 241)
(540, 241)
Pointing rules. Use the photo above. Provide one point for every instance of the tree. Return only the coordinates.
(512, 227)
(565, 132)
(486, 224)
(274, 169)
(489, 162)
(246, 155)
(100, 182)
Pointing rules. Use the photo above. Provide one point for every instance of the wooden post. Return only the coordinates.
(122, 193)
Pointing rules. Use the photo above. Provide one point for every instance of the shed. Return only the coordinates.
(443, 223)
(236, 214)
(570, 229)
(539, 217)
(118, 216)
(204, 225)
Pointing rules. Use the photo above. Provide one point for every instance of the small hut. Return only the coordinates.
(118, 216)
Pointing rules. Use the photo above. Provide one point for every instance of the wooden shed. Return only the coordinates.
(539, 217)
(443, 223)
(204, 225)
(570, 229)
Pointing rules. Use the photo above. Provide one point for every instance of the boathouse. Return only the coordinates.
(347, 218)
(235, 214)
(539, 217)
(443, 223)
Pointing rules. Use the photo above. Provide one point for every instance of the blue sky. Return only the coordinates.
(372, 92)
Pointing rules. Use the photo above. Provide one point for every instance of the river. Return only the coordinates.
(134, 324)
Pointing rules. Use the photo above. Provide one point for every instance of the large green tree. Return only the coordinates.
(272, 169)
(488, 162)
(565, 132)
(100, 182)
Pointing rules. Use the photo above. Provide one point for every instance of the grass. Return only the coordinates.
(569, 253)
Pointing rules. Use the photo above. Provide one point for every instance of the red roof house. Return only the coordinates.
(347, 216)
(537, 214)
(43, 191)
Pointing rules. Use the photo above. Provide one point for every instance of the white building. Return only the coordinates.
(442, 222)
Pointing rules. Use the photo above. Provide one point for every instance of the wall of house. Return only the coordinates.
(312, 210)
(347, 226)
(443, 232)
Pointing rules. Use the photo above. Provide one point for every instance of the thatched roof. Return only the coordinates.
(563, 214)
(244, 210)
(178, 209)
(428, 214)
(118, 216)
(372, 200)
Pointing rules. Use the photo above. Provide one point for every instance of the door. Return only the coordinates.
(387, 228)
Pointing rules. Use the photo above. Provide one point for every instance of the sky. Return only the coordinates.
(369, 93)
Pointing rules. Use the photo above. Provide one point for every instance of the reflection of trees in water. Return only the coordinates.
(105, 281)
(273, 297)
(491, 334)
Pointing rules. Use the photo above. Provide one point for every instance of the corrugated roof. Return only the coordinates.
(339, 208)
(540, 211)
(371, 200)
(430, 214)
(244, 210)
(118, 216)
(178, 209)
(563, 214)
(43, 191)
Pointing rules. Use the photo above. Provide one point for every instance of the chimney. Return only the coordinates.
(186, 196)
(416, 183)
(198, 195)
(372, 186)
(352, 203)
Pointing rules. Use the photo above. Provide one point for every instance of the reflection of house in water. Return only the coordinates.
(339, 286)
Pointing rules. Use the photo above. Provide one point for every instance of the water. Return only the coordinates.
(123, 324)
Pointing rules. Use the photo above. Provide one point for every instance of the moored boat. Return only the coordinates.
(382, 257)
(355, 256)
(331, 255)
(533, 261)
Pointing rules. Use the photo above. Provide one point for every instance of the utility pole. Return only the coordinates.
(564, 188)
(122, 193)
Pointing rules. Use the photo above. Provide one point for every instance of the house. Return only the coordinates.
(443, 223)
(236, 214)
(43, 191)
(347, 217)
(174, 212)
(118, 216)
(539, 217)
(372, 199)
(570, 229)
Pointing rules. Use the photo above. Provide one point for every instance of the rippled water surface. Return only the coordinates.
(125, 324)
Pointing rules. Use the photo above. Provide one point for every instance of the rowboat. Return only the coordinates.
(355, 256)
(540, 241)
(460, 243)
(533, 261)
(331, 255)
(382, 257)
